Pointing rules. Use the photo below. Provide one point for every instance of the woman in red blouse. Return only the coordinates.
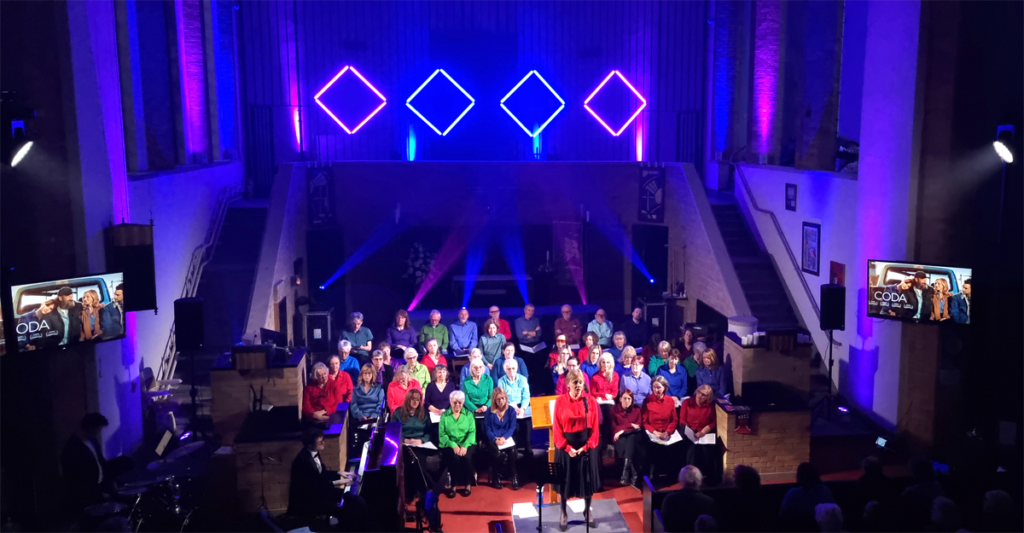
(698, 413)
(659, 420)
(576, 446)
(628, 436)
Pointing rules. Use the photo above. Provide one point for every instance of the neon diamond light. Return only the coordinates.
(598, 89)
(338, 76)
(514, 89)
(472, 102)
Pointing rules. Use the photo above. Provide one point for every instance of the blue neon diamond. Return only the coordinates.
(472, 102)
(546, 122)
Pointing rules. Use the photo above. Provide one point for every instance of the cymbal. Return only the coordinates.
(132, 491)
(185, 450)
(104, 509)
(149, 479)
(161, 464)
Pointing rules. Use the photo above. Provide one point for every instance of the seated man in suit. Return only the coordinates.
(88, 476)
(112, 315)
(315, 492)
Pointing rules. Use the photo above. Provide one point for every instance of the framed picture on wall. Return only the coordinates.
(810, 248)
(652, 195)
(790, 197)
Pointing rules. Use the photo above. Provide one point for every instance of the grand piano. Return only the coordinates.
(380, 475)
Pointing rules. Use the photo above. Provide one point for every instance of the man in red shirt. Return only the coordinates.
(502, 323)
(339, 381)
(318, 402)
(568, 326)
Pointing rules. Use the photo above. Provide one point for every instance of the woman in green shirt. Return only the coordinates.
(478, 388)
(457, 434)
(659, 358)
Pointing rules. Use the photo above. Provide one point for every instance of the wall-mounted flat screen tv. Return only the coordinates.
(919, 293)
(62, 313)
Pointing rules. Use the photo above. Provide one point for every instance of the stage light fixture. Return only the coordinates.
(21, 152)
(16, 142)
(643, 103)
(472, 102)
(651, 280)
(1003, 144)
(546, 122)
(347, 68)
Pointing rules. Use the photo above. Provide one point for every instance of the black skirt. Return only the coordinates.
(583, 472)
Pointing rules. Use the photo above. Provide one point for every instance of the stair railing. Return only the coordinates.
(785, 243)
(200, 257)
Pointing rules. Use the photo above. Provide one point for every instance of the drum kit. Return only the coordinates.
(161, 497)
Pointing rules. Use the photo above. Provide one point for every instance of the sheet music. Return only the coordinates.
(551, 408)
(706, 439)
(508, 444)
(606, 402)
(672, 439)
(533, 349)
(435, 418)
(574, 347)
(425, 446)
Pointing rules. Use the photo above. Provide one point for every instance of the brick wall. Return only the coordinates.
(264, 470)
(779, 442)
(231, 395)
(748, 364)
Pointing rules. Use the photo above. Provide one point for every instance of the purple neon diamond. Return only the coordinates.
(383, 101)
(643, 103)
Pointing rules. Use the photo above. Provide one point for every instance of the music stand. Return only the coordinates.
(554, 473)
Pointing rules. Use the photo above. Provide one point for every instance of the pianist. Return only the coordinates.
(314, 491)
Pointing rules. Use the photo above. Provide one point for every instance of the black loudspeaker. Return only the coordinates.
(833, 307)
(130, 251)
(188, 324)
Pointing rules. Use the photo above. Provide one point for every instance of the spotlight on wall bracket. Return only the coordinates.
(1003, 144)
(16, 142)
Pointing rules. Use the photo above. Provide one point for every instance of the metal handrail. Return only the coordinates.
(201, 256)
(785, 243)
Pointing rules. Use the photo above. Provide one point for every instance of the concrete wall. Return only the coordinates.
(825, 198)
(181, 206)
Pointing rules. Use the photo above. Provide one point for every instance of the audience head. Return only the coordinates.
(690, 477)
(510, 367)
(874, 517)
(705, 524)
(560, 341)
(440, 373)
(703, 394)
(655, 341)
(499, 400)
(664, 349)
(402, 376)
(659, 385)
(619, 339)
(566, 311)
(463, 315)
(528, 311)
(491, 327)
(475, 353)
(626, 399)
(673, 358)
(564, 354)
(572, 363)
(637, 365)
(688, 336)
(921, 469)
(698, 351)
(829, 517)
(945, 515)
(807, 475)
(320, 374)
(476, 367)
(92, 425)
(313, 439)
(872, 466)
(626, 359)
(432, 346)
(607, 364)
(367, 375)
(355, 320)
(495, 313)
(401, 319)
(344, 348)
(574, 383)
(590, 339)
(435, 317)
(377, 358)
(412, 405)
(747, 477)
(509, 350)
(594, 353)
(638, 314)
(385, 348)
(411, 356)
(457, 399)
(711, 359)
(333, 364)
(599, 316)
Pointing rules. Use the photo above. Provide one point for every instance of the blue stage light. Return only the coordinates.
(472, 102)
(652, 280)
(321, 287)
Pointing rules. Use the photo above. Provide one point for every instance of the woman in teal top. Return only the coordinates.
(413, 417)
(491, 343)
(458, 444)
(478, 388)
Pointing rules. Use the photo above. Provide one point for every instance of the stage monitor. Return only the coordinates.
(919, 293)
(62, 313)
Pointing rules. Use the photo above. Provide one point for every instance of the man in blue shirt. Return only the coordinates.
(347, 364)
(463, 336)
(359, 336)
(528, 330)
(602, 327)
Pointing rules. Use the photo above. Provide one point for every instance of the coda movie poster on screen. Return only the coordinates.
(919, 293)
(62, 313)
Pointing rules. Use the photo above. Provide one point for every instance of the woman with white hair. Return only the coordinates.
(475, 353)
(517, 388)
(416, 369)
(318, 402)
(508, 352)
(360, 337)
(457, 435)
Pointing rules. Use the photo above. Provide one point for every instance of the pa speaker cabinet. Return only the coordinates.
(130, 251)
(833, 307)
(189, 334)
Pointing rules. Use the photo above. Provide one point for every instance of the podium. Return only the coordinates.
(543, 407)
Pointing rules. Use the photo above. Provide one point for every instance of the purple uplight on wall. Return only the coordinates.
(643, 103)
(193, 77)
(383, 101)
(767, 62)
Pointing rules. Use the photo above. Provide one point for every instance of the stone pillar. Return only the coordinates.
(766, 104)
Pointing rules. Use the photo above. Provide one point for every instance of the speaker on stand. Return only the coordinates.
(189, 337)
(832, 318)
